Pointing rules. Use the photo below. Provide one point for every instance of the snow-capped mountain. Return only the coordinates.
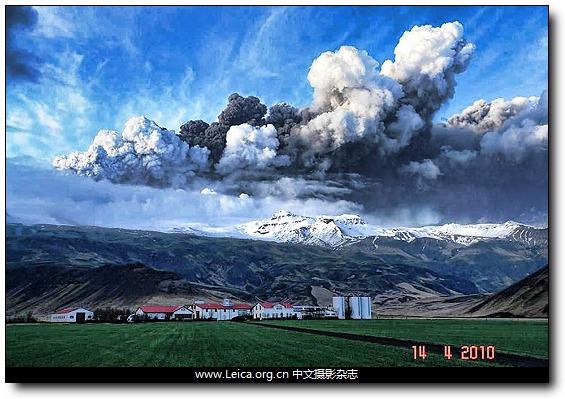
(333, 231)
(337, 231)
(472, 233)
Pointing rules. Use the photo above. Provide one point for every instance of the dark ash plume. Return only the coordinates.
(238, 111)
(367, 139)
(284, 117)
(243, 110)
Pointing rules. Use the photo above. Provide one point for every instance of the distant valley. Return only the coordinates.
(55, 266)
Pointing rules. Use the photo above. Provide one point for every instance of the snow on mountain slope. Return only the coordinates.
(471, 233)
(336, 231)
(333, 231)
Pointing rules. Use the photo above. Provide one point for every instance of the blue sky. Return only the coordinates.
(95, 67)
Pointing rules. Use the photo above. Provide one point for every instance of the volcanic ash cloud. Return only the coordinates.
(368, 139)
(143, 153)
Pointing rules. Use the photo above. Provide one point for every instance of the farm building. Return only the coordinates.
(313, 312)
(273, 310)
(72, 315)
(220, 311)
(165, 312)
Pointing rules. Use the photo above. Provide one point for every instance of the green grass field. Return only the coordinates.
(521, 336)
(213, 344)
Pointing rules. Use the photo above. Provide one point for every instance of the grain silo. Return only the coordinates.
(338, 303)
(355, 308)
(366, 311)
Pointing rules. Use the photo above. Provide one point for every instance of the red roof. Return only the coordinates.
(65, 311)
(159, 309)
(272, 304)
(210, 305)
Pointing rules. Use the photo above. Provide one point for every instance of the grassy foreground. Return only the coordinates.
(520, 336)
(194, 344)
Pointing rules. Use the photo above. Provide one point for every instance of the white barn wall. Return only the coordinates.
(71, 317)
(183, 313)
(150, 315)
(278, 311)
(222, 313)
(257, 312)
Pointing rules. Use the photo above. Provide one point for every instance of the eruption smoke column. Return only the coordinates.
(367, 142)
(359, 116)
(354, 103)
(351, 101)
(426, 62)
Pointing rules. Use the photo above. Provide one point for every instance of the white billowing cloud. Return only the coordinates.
(375, 124)
(143, 153)
(426, 61)
(334, 75)
(180, 99)
(406, 124)
(250, 147)
(525, 132)
(351, 100)
(485, 116)
(426, 169)
(355, 102)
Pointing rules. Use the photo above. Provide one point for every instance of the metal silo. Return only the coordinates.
(338, 303)
(355, 307)
(366, 311)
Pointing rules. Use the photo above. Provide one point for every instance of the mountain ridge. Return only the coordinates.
(346, 229)
(249, 270)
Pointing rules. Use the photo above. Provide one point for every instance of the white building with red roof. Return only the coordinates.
(72, 315)
(220, 311)
(273, 310)
(165, 312)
